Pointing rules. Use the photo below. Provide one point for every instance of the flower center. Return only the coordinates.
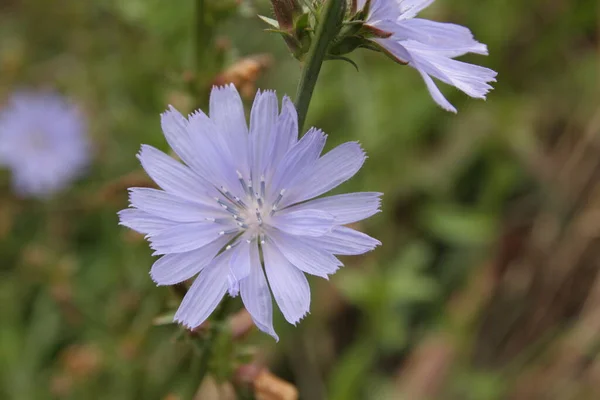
(254, 209)
(37, 140)
(252, 212)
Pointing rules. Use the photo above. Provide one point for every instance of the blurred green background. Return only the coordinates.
(486, 286)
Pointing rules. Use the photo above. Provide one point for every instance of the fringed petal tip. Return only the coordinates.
(299, 319)
(184, 323)
(169, 111)
(266, 329)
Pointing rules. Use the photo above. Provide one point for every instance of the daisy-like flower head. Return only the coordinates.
(43, 142)
(429, 47)
(245, 192)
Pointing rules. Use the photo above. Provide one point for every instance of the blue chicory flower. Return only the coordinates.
(429, 47)
(43, 142)
(242, 192)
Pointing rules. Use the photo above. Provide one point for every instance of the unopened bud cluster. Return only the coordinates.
(292, 21)
(297, 24)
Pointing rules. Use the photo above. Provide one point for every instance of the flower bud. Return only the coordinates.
(286, 11)
(292, 23)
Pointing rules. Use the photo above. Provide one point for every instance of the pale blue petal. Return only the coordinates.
(233, 286)
(395, 49)
(304, 222)
(344, 241)
(303, 256)
(454, 40)
(227, 111)
(287, 131)
(174, 177)
(213, 155)
(142, 222)
(187, 237)
(382, 10)
(169, 206)
(298, 158)
(430, 60)
(436, 94)
(289, 285)
(205, 294)
(240, 258)
(410, 8)
(256, 295)
(471, 79)
(175, 129)
(345, 208)
(263, 125)
(334, 168)
(174, 268)
(185, 138)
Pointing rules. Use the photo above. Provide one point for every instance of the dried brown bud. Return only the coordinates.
(240, 324)
(244, 73)
(269, 387)
(81, 361)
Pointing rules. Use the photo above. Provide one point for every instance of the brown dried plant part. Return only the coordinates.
(269, 387)
(542, 322)
(211, 389)
(265, 385)
(244, 73)
(81, 361)
(241, 324)
(427, 369)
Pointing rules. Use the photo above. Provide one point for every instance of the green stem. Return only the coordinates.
(216, 325)
(330, 20)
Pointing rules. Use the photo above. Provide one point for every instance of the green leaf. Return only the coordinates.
(354, 285)
(351, 372)
(164, 319)
(458, 226)
(272, 22)
(346, 59)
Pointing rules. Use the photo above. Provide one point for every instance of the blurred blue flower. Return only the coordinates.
(43, 142)
(429, 47)
(244, 192)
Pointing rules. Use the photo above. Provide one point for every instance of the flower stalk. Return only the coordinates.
(330, 21)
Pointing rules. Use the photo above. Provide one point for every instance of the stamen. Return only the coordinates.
(277, 200)
(239, 202)
(224, 220)
(229, 196)
(243, 183)
(262, 186)
(242, 225)
(228, 232)
(250, 192)
(259, 200)
(231, 246)
(258, 217)
(226, 207)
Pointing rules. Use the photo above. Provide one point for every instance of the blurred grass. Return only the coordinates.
(414, 319)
